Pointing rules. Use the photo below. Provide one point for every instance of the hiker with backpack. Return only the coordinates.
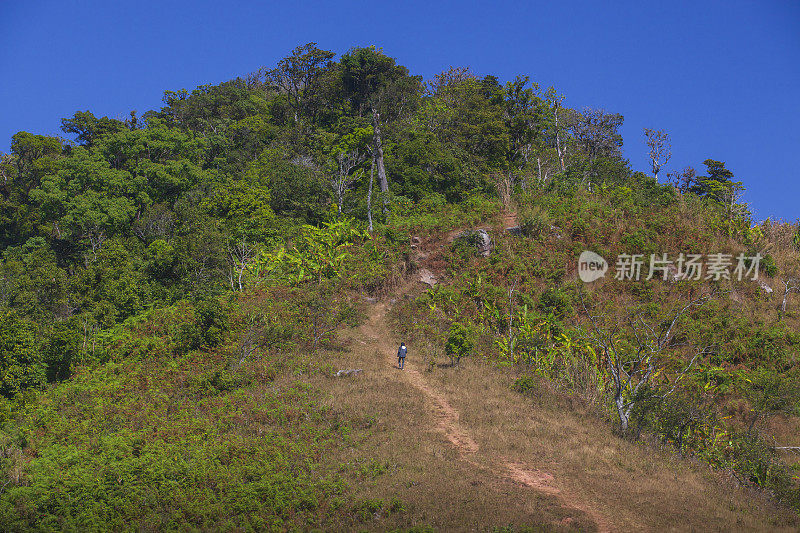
(401, 355)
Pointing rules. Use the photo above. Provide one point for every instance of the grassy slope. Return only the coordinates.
(598, 481)
(158, 441)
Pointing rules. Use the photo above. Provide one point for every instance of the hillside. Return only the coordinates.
(181, 289)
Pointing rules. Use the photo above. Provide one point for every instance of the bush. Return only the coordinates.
(524, 385)
(556, 301)
(207, 329)
(459, 343)
(21, 365)
(768, 266)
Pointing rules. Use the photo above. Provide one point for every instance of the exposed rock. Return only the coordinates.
(514, 230)
(416, 241)
(479, 238)
(370, 300)
(348, 372)
(427, 277)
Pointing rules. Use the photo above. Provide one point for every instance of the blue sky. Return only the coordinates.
(722, 77)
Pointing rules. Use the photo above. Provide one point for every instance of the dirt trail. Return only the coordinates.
(509, 218)
(448, 423)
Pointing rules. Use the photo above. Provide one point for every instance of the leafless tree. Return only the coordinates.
(154, 223)
(341, 180)
(546, 164)
(660, 149)
(791, 285)
(240, 256)
(558, 114)
(96, 237)
(250, 339)
(683, 180)
(634, 351)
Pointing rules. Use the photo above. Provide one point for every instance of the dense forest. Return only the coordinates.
(179, 256)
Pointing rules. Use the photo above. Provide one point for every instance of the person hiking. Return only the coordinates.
(401, 355)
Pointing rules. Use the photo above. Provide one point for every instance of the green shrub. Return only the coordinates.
(21, 364)
(459, 342)
(366, 509)
(207, 329)
(525, 385)
(556, 301)
(768, 266)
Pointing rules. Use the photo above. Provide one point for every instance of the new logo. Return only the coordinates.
(591, 266)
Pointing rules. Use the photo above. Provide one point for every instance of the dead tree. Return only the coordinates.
(660, 149)
(791, 285)
(633, 353)
(683, 180)
(342, 180)
(240, 256)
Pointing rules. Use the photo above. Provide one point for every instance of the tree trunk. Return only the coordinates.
(378, 142)
(369, 193)
(558, 143)
(539, 163)
(624, 414)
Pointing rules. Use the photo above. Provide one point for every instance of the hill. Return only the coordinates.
(181, 289)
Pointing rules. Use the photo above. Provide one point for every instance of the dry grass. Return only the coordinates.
(575, 475)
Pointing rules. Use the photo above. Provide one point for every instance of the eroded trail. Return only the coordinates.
(449, 424)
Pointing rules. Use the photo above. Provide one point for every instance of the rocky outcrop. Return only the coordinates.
(479, 238)
(427, 277)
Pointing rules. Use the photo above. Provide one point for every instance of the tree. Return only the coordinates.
(349, 152)
(32, 283)
(720, 187)
(660, 149)
(790, 285)
(298, 75)
(560, 125)
(376, 84)
(21, 365)
(326, 310)
(597, 133)
(714, 185)
(466, 118)
(459, 343)
(635, 352)
(768, 394)
(35, 156)
(683, 180)
(88, 129)
(523, 111)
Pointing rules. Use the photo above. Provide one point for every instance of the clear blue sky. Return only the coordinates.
(722, 77)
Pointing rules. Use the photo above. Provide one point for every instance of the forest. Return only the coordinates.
(159, 268)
